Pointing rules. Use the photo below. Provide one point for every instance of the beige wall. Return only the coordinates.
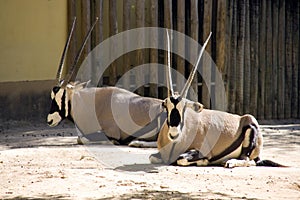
(32, 37)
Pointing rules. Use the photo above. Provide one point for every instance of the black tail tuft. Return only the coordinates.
(268, 163)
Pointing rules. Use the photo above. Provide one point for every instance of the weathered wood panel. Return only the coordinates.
(206, 67)
(281, 60)
(140, 53)
(269, 64)
(288, 60)
(113, 29)
(254, 51)
(255, 45)
(262, 60)
(154, 52)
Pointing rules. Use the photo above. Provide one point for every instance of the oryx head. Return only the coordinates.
(61, 93)
(176, 103)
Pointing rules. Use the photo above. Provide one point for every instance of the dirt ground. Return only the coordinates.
(37, 162)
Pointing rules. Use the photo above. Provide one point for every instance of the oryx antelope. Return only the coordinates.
(122, 115)
(192, 135)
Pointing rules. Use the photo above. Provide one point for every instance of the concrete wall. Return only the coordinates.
(32, 37)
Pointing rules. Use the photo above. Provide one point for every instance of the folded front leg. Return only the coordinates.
(192, 157)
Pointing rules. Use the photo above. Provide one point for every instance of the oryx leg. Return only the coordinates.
(250, 149)
(192, 157)
(143, 144)
(156, 158)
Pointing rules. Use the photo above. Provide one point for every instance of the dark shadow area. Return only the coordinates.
(148, 168)
(157, 194)
(29, 136)
(146, 194)
(44, 197)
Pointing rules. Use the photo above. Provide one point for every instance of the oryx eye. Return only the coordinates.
(56, 89)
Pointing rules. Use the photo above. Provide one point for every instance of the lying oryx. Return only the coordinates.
(193, 135)
(122, 115)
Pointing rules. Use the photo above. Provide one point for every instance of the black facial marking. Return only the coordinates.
(54, 107)
(55, 89)
(175, 101)
(62, 112)
(174, 117)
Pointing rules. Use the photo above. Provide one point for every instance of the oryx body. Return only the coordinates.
(211, 137)
(122, 115)
(94, 109)
(193, 135)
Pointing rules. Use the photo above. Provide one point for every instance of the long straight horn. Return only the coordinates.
(192, 74)
(74, 68)
(62, 60)
(169, 76)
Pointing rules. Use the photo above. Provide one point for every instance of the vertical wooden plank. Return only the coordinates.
(254, 39)
(113, 29)
(154, 52)
(240, 55)
(220, 36)
(99, 14)
(281, 60)
(180, 44)
(220, 55)
(126, 26)
(140, 55)
(194, 52)
(73, 44)
(274, 76)
(85, 25)
(268, 70)
(262, 61)
(295, 60)
(97, 36)
(298, 57)
(247, 61)
(168, 14)
(206, 67)
(288, 61)
(232, 64)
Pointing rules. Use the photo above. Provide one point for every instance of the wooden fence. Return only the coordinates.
(255, 45)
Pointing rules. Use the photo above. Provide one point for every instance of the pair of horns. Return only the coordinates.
(62, 60)
(187, 85)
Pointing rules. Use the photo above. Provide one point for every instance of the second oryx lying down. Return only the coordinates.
(192, 135)
(122, 115)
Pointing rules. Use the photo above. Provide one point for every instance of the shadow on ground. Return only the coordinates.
(146, 194)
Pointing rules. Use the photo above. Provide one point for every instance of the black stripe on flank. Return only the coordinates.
(233, 146)
(246, 151)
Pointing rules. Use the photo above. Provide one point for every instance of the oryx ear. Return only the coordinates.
(164, 104)
(196, 106)
(82, 85)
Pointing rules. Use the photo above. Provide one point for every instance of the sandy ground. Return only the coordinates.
(43, 163)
